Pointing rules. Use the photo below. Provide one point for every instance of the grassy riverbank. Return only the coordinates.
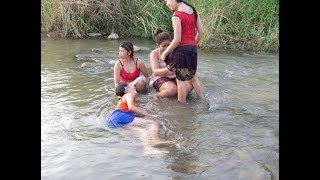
(237, 24)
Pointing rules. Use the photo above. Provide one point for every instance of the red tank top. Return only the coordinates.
(123, 106)
(188, 28)
(129, 77)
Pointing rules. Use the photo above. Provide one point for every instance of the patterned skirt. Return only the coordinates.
(183, 62)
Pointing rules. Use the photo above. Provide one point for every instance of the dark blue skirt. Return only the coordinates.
(183, 62)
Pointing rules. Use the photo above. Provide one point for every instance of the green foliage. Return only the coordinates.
(228, 24)
(239, 24)
(141, 17)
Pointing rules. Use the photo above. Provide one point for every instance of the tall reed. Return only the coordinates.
(239, 24)
(78, 17)
(228, 24)
(141, 17)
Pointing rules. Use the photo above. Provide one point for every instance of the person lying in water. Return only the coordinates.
(124, 116)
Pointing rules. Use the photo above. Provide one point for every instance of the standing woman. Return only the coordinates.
(128, 68)
(181, 54)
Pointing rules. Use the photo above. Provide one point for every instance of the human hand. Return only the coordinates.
(163, 57)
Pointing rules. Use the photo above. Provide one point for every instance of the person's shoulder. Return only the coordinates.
(139, 61)
(154, 52)
(176, 13)
(179, 13)
(117, 63)
(128, 96)
(176, 17)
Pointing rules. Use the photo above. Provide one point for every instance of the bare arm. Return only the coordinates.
(199, 30)
(144, 71)
(129, 99)
(116, 73)
(176, 23)
(156, 71)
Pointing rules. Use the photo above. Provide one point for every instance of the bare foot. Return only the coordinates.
(163, 144)
(150, 151)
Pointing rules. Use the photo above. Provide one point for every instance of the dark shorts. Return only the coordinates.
(158, 83)
(119, 118)
(183, 62)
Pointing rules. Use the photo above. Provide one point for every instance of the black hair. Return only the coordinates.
(127, 46)
(160, 35)
(120, 89)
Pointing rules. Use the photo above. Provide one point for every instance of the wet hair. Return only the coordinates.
(127, 46)
(194, 9)
(120, 89)
(159, 35)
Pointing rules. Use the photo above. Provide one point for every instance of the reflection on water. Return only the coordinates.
(231, 134)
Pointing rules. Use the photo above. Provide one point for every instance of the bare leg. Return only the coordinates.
(142, 135)
(189, 86)
(149, 143)
(141, 85)
(167, 89)
(197, 86)
(153, 127)
(182, 93)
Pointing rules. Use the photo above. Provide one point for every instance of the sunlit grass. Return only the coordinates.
(228, 24)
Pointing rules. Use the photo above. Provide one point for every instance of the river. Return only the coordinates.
(233, 133)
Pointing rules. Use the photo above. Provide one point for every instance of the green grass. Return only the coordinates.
(228, 24)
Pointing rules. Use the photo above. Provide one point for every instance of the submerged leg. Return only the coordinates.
(148, 132)
(197, 86)
(154, 134)
(182, 92)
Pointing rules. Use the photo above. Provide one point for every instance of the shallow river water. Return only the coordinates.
(233, 133)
